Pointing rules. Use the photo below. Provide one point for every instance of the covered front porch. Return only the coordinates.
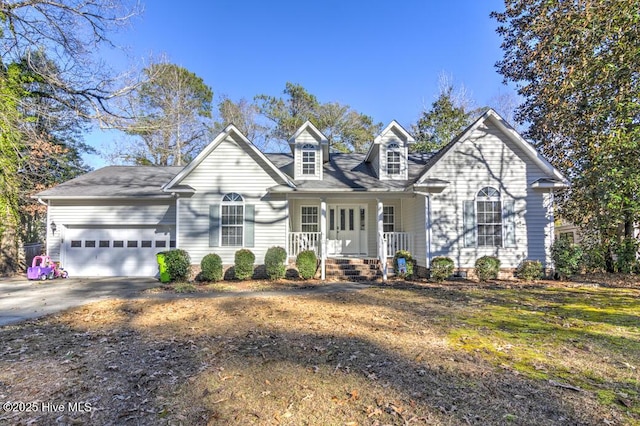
(351, 227)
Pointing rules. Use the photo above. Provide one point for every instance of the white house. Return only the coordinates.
(487, 192)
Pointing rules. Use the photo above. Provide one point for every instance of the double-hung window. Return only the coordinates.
(309, 219)
(393, 159)
(308, 160)
(388, 219)
(232, 220)
(489, 211)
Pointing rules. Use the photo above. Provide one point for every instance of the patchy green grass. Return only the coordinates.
(588, 338)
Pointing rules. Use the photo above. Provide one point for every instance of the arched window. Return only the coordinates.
(489, 217)
(393, 159)
(232, 219)
(308, 159)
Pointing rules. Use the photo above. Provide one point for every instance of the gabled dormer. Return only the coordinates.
(310, 150)
(389, 151)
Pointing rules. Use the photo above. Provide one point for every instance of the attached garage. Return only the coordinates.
(112, 222)
(113, 251)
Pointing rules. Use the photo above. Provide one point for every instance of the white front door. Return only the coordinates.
(347, 230)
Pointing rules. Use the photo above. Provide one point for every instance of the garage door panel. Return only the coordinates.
(113, 252)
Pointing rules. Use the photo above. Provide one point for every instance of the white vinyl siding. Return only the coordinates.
(230, 168)
(489, 158)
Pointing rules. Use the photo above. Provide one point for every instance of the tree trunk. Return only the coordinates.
(9, 247)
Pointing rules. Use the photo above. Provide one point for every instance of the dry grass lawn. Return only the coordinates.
(400, 354)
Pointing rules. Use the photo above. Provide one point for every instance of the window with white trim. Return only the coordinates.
(309, 219)
(232, 220)
(308, 159)
(388, 219)
(489, 217)
(394, 161)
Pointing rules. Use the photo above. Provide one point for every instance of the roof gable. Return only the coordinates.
(507, 130)
(308, 125)
(233, 132)
(395, 127)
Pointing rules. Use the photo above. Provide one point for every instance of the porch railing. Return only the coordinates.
(300, 241)
(398, 241)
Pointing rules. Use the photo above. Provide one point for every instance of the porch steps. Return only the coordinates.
(353, 269)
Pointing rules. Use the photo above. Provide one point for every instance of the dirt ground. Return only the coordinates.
(401, 353)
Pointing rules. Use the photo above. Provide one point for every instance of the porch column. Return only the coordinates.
(323, 237)
(382, 255)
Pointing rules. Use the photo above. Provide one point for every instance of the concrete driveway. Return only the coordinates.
(21, 299)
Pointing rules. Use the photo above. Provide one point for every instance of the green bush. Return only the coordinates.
(441, 268)
(407, 256)
(211, 267)
(567, 257)
(243, 264)
(178, 264)
(487, 268)
(307, 263)
(529, 270)
(626, 252)
(274, 262)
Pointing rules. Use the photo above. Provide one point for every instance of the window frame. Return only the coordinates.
(386, 225)
(308, 160)
(492, 204)
(315, 225)
(393, 150)
(232, 200)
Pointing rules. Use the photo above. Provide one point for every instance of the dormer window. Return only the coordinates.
(308, 160)
(393, 159)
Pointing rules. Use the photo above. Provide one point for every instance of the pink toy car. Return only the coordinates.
(43, 268)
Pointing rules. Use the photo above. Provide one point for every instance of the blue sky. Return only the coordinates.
(381, 59)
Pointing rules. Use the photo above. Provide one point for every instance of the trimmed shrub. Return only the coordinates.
(407, 256)
(243, 264)
(567, 257)
(487, 268)
(529, 270)
(307, 263)
(274, 262)
(178, 264)
(211, 267)
(441, 268)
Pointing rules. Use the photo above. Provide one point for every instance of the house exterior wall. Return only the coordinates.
(488, 158)
(413, 218)
(229, 168)
(107, 214)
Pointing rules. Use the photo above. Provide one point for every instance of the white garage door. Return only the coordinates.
(112, 252)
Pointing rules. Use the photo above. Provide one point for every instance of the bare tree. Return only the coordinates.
(68, 33)
(244, 115)
(168, 113)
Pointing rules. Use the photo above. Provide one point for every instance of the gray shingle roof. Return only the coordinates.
(342, 172)
(350, 172)
(115, 181)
